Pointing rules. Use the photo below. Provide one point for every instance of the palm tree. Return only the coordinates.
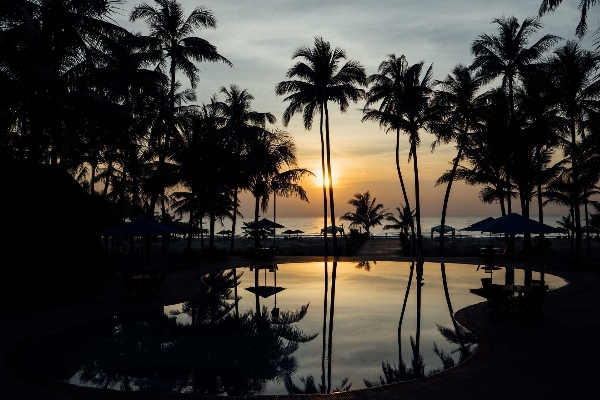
(173, 33)
(47, 47)
(320, 80)
(240, 125)
(506, 55)
(459, 106)
(387, 87)
(551, 5)
(285, 183)
(417, 113)
(269, 153)
(368, 214)
(574, 75)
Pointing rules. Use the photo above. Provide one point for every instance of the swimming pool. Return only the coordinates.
(330, 326)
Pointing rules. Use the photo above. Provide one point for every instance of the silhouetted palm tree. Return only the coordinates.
(460, 106)
(417, 113)
(574, 74)
(584, 5)
(506, 55)
(241, 124)
(404, 221)
(320, 79)
(367, 214)
(387, 87)
(173, 33)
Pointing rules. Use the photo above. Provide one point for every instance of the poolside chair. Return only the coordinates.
(501, 301)
(532, 301)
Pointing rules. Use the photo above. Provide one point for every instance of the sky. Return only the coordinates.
(260, 36)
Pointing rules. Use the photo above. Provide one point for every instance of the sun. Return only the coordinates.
(318, 178)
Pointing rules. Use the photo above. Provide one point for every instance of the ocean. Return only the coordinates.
(311, 226)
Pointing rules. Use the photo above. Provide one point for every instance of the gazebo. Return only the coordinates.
(447, 229)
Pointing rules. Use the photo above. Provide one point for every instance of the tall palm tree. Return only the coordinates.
(417, 113)
(574, 74)
(459, 105)
(368, 214)
(321, 79)
(506, 55)
(173, 33)
(387, 87)
(241, 123)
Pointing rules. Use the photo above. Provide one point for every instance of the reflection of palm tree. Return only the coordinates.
(331, 311)
(320, 80)
(366, 265)
(324, 328)
(400, 372)
(459, 336)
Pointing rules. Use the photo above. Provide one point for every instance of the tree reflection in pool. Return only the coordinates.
(220, 345)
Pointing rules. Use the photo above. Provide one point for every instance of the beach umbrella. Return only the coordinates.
(515, 223)
(265, 224)
(288, 232)
(265, 291)
(438, 228)
(480, 225)
(330, 230)
(297, 231)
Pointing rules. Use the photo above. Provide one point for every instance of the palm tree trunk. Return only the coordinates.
(331, 201)
(400, 175)
(575, 179)
(107, 180)
(256, 211)
(191, 221)
(93, 178)
(233, 219)
(587, 230)
(211, 233)
(324, 328)
(324, 185)
(447, 197)
(201, 232)
(539, 192)
(417, 199)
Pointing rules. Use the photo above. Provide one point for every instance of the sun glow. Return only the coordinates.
(318, 178)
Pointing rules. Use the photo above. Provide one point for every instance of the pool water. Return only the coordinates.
(332, 326)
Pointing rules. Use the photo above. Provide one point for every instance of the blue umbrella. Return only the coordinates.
(515, 223)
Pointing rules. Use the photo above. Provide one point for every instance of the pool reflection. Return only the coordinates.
(391, 322)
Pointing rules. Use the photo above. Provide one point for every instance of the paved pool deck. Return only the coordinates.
(555, 356)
